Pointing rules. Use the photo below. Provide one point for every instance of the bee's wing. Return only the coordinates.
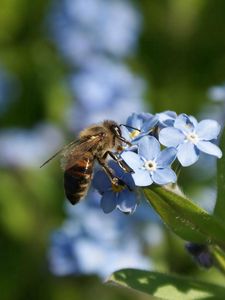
(65, 148)
(72, 154)
(75, 149)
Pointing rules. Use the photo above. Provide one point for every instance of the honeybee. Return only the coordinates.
(95, 143)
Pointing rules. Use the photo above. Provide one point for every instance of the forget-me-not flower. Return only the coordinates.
(76, 251)
(116, 196)
(83, 28)
(150, 164)
(138, 125)
(28, 148)
(104, 90)
(190, 138)
(166, 118)
(100, 82)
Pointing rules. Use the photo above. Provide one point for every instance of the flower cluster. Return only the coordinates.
(157, 141)
(94, 37)
(26, 148)
(81, 28)
(20, 147)
(82, 246)
(103, 89)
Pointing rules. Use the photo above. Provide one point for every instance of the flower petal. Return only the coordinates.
(149, 124)
(108, 202)
(209, 148)
(142, 178)
(185, 123)
(193, 120)
(132, 159)
(101, 182)
(149, 147)
(171, 137)
(128, 179)
(208, 130)
(167, 118)
(117, 170)
(166, 157)
(127, 201)
(138, 137)
(164, 176)
(187, 154)
(135, 121)
(125, 133)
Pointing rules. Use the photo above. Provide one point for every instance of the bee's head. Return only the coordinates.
(116, 130)
(113, 127)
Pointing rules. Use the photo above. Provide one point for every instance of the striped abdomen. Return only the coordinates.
(78, 177)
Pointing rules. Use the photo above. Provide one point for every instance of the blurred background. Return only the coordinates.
(65, 64)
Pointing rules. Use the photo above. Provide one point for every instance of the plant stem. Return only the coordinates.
(219, 258)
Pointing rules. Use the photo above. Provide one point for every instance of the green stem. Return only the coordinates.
(219, 258)
(177, 168)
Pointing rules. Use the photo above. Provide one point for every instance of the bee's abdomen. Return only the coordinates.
(77, 178)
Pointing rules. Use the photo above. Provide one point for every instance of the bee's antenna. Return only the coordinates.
(130, 127)
(124, 140)
(50, 159)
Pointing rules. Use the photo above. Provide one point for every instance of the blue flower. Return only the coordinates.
(190, 138)
(150, 164)
(217, 93)
(142, 125)
(62, 257)
(77, 25)
(166, 118)
(121, 197)
(81, 246)
(104, 89)
(101, 82)
(28, 148)
(201, 254)
(73, 252)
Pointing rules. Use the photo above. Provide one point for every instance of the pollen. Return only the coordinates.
(134, 133)
(117, 188)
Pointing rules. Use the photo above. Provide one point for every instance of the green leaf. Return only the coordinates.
(165, 286)
(219, 210)
(184, 217)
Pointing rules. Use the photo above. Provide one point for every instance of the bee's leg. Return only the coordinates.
(120, 162)
(114, 180)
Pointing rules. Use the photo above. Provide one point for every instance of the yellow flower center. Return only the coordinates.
(134, 133)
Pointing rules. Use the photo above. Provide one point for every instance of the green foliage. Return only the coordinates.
(165, 286)
(189, 222)
(181, 54)
(219, 210)
(185, 218)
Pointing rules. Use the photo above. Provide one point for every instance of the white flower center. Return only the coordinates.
(150, 165)
(192, 137)
(134, 133)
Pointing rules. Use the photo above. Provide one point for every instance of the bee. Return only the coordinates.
(95, 143)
